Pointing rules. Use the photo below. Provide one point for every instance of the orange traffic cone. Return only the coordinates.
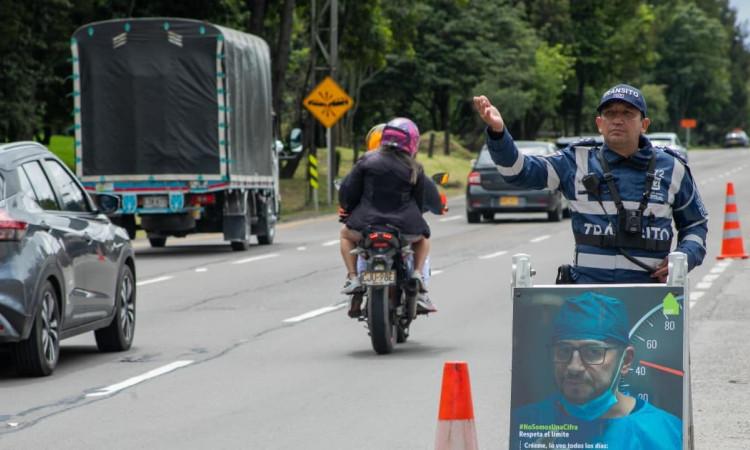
(456, 430)
(731, 244)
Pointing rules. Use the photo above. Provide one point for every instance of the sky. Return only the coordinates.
(743, 9)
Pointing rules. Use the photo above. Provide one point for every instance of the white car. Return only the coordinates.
(669, 140)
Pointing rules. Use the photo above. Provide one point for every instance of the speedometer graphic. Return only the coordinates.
(657, 373)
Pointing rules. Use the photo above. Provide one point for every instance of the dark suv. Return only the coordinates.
(487, 192)
(65, 269)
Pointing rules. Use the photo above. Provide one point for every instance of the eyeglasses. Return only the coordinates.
(591, 354)
(626, 114)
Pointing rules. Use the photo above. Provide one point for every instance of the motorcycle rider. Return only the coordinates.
(623, 195)
(387, 187)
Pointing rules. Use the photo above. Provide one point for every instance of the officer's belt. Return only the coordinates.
(623, 240)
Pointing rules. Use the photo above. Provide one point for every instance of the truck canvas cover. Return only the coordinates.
(171, 99)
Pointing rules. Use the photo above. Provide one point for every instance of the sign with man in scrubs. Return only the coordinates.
(598, 368)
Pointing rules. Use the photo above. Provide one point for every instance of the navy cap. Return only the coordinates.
(624, 93)
(592, 316)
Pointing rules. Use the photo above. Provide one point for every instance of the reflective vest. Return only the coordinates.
(673, 197)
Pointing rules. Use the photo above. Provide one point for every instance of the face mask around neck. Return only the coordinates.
(596, 407)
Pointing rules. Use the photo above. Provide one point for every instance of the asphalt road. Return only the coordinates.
(254, 349)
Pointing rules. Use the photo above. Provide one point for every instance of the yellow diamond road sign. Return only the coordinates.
(328, 102)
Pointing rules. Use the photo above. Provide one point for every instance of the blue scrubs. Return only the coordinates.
(645, 428)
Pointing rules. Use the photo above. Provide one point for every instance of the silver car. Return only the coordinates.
(65, 268)
(669, 140)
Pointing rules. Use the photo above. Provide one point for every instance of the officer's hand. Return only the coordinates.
(662, 270)
(489, 114)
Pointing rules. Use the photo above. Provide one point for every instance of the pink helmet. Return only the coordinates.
(401, 133)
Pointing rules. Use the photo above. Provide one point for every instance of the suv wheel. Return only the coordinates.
(38, 355)
(118, 335)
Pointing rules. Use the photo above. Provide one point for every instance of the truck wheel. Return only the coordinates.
(241, 246)
(157, 242)
(267, 230)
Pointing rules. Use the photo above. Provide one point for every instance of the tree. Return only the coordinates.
(694, 64)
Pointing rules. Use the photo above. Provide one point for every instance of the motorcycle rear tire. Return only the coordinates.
(382, 328)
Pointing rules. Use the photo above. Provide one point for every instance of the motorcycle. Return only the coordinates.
(389, 295)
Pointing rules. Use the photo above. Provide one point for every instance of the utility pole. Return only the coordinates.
(331, 55)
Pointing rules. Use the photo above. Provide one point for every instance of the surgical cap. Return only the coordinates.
(592, 316)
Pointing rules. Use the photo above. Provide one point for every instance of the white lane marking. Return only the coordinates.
(718, 269)
(696, 296)
(692, 303)
(725, 263)
(255, 258)
(154, 280)
(704, 286)
(109, 390)
(541, 238)
(330, 243)
(436, 272)
(315, 313)
(709, 278)
(201, 269)
(448, 219)
(302, 249)
(493, 255)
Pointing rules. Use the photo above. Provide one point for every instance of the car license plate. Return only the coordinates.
(379, 278)
(509, 201)
(156, 201)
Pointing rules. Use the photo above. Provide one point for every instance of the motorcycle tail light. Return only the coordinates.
(475, 178)
(380, 244)
(387, 236)
(10, 228)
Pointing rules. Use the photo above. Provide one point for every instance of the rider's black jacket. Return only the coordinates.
(378, 191)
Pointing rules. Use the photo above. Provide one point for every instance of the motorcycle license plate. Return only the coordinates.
(379, 278)
(509, 201)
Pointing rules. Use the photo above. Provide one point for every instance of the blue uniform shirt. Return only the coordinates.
(674, 198)
(645, 428)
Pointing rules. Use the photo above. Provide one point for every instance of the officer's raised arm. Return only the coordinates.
(530, 171)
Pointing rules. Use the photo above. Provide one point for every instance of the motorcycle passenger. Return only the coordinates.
(623, 195)
(387, 187)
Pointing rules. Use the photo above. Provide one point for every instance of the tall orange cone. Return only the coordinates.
(731, 244)
(456, 430)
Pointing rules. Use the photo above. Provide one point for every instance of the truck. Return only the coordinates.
(174, 116)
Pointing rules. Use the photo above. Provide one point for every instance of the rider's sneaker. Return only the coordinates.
(416, 277)
(424, 305)
(351, 286)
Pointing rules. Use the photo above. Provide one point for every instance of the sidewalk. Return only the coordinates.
(720, 354)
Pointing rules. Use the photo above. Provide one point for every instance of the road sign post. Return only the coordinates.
(328, 103)
(687, 124)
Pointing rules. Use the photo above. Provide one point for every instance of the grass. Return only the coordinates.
(294, 191)
(62, 146)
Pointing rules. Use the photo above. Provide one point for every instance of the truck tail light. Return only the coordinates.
(475, 178)
(203, 199)
(10, 228)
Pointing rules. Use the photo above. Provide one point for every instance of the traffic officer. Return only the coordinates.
(623, 195)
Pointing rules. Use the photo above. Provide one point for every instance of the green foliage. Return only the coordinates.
(545, 62)
(696, 90)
